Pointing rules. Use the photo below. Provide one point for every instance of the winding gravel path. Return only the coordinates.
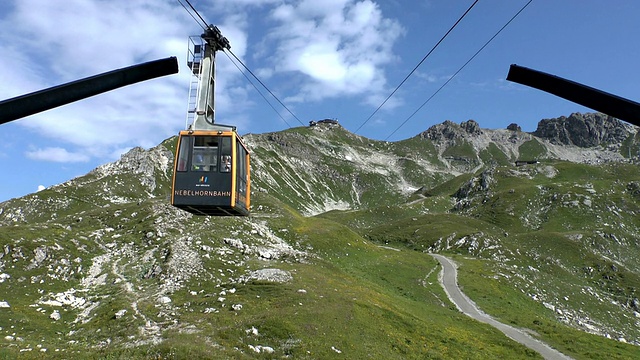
(449, 281)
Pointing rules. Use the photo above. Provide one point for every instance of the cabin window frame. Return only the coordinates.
(205, 153)
(226, 159)
(241, 172)
(182, 164)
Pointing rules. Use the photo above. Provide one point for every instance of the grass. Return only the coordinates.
(352, 284)
(448, 188)
(339, 303)
(500, 299)
(493, 155)
(417, 147)
(560, 260)
(431, 230)
(532, 150)
(367, 288)
(462, 149)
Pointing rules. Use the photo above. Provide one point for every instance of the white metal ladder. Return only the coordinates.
(195, 54)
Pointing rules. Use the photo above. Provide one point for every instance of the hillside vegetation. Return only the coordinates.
(334, 260)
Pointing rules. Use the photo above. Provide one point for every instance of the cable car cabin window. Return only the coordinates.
(225, 153)
(183, 154)
(241, 172)
(205, 153)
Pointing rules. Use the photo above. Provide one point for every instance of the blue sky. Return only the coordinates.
(323, 59)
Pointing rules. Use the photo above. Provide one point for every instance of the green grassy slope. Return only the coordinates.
(347, 296)
(543, 250)
(551, 247)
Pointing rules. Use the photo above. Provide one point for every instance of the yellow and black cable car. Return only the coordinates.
(211, 173)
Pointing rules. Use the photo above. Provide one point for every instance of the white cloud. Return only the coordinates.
(88, 36)
(430, 78)
(321, 63)
(230, 5)
(14, 82)
(41, 187)
(57, 154)
(309, 50)
(47, 43)
(341, 46)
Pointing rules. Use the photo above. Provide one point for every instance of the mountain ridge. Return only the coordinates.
(102, 265)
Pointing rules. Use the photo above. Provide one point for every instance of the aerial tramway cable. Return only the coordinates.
(191, 14)
(265, 86)
(460, 69)
(194, 11)
(420, 63)
(258, 90)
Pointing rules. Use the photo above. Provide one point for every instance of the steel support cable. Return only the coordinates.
(460, 69)
(191, 14)
(258, 90)
(417, 66)
(265, 86)
(197, 13)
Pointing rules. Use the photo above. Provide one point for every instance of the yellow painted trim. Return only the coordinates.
(175, 167)
(207, 132)
(248, 165)
(234, 168)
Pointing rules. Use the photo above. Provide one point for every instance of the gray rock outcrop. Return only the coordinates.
(449, 130)
(583, 130)
(514, 127)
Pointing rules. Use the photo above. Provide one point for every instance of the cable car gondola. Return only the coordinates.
(211, 175)
(211, 170)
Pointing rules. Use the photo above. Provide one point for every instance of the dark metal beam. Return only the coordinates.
(29, 104)
(598, 100)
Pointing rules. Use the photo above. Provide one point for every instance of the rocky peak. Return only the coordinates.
(471, 127)
(449, 130)
(583, 130)
(514, 127)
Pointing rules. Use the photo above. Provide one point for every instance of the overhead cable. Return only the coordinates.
(265, 86)
(192, 16)
(258, 90)
(197, 13)
(416, 67)
(460, 69)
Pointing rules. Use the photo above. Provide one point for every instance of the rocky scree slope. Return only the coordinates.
(324, 167)
(583, 138)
